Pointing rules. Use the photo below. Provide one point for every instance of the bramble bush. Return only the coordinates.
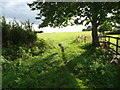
(15, 33)
(14, 52)
(19, 41)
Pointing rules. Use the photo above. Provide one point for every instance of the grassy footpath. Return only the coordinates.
(86, 67)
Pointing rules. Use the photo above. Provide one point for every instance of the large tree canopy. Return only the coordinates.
(61, 14)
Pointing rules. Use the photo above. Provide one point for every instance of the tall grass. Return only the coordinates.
(86, 67)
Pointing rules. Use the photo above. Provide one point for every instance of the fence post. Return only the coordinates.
(116, 46)
(105, 38)
(109, 41)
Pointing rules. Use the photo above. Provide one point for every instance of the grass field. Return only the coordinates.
(114, 41)
(62, 37)
(66, 37)
(80, 65)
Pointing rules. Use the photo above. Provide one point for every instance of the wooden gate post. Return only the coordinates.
(108, 41)
(116, 46)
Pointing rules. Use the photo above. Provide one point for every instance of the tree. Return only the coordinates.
(84, 30)
(38, 31)
(59, 14)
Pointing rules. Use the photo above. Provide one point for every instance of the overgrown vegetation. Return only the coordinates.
(20, 41)
(14, 52)
(82, 39)
(15, 33)
(42, 66)
(86, 67)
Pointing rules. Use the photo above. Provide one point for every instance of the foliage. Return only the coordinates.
(106, 26)
(15, 33)
(38, 31)
(89, 28)
(114, 32)
(43, 45)
(82, 39)
(87, 67)
(64, 14)
(65, 11)
(19, 41)
(14, 52)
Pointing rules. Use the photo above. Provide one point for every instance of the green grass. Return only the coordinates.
(112, 40)
(86, 67)
(67, 36)
(62, 37)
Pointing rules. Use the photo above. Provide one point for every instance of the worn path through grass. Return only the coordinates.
(86, 67)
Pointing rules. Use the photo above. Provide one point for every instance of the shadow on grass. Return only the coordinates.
(90, 69)
(56, 75)
(44, 73)
(94, 69)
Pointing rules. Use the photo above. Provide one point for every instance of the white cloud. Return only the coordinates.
(74, 28)
(11, 3)
(20, 10)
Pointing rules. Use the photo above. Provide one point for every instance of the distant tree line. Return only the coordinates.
(38, 31)
(106, 27)
(89, 28)
(115, 31)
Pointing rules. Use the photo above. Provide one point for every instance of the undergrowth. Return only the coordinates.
(86, 67)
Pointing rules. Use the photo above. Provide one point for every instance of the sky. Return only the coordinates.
(19, 10)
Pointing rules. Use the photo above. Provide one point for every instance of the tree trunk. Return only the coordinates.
(95, 39)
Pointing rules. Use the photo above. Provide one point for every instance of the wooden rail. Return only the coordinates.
(117, 45)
